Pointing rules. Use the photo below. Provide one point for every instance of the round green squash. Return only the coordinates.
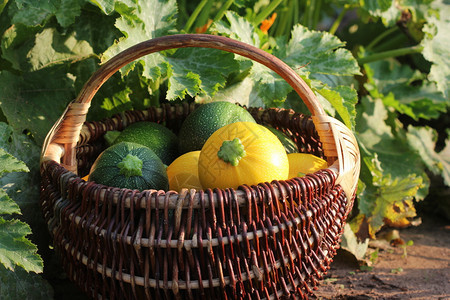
(131, 166)
(205, 120)
(154, 136)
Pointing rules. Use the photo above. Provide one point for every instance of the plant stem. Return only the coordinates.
(266, 12)
(182, 12)
(204, 15)
(380, 37)
(317, 11)
(390, 53)
(392, 43)
(338, 20)
(296, 9)
(305, 16)
(194, 15)
(222, 10)
(283, 19)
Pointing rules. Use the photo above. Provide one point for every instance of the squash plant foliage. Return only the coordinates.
(382, 67)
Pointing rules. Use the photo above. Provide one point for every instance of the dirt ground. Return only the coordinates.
(420, 270)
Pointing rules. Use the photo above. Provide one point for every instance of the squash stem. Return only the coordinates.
(232, 151)
(131, 165)
(390, 53)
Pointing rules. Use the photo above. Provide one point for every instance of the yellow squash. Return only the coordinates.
(183, 172)
(301, 164)
(242, 153)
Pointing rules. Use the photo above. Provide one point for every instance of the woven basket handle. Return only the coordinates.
(338, 142)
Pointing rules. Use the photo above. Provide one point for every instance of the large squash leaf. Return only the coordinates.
(436, 46)
(314, 55)
(36, 12)
(35, 100)
(423, 140)
(189, 71)
(405, 90)
(15, 247)
(10, 163)
(387, 196)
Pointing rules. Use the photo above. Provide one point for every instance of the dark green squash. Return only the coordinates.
(131, 166)
(154, 136)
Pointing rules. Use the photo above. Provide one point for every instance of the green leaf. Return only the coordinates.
(146, 20)
(23, 187)
(36, 12)
(343, 99)
(16, 42)
(392, 172)
(395, 155)
(377, 6)
(237, 28)
(436, 48)
(388, 10)
(312, 54)
(243, 92)
(7, 205)
(189, 71)
(51, 48)
(107, 6)
(271, 87)
(2, 5)
(117, 102)
(19, 284)
(390, 203)
(16, 249)
(317, 52)
(423, 140)
(35, 100)
(198, 70)
(20, 186)
(118, 94)
(96, 29)
(9, 163)
(405, 90)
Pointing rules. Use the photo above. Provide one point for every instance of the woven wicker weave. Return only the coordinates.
(273, 240)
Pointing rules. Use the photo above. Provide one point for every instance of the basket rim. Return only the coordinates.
(189, 198)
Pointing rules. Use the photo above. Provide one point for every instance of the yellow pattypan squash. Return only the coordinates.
(242, 153)
(301, 164)
(183, 172)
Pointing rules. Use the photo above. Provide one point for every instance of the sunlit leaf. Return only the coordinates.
(237, 28)
(385, 159)
(10, 164)
(53, 48)
(7, 205)
(199, 70)
(146, 20)
(15, 249)
(423, 140)
(436, 48)
(405, 90)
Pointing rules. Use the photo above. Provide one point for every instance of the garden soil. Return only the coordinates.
(395, 270)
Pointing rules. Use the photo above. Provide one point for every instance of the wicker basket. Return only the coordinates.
(274, 240)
